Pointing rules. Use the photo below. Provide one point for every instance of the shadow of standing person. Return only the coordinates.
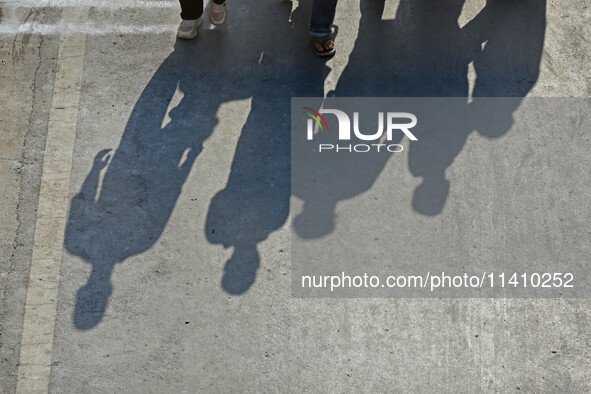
(423, 52)
(125, 214)
(509, 37)
(255, 201)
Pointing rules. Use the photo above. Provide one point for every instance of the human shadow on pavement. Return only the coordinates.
(505, 42)
(255, 201)
(424, 52)
(130, 193)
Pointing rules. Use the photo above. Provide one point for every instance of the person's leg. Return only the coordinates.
(191, 9)
(191, 12)
(323, 13)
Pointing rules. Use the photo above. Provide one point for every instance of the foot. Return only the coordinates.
(218, 13)
(188, 28)
(324, 45)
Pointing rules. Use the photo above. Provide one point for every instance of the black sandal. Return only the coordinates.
(322, 41)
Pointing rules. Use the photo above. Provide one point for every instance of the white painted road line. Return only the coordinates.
(41, 303)
(113, 5)
(85, 29)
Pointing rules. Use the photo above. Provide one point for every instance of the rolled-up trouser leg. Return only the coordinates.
(323, 13)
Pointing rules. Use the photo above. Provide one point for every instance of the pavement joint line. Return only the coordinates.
(41, 302)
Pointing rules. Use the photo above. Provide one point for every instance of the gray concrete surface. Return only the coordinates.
(26, 84)
(176, 274)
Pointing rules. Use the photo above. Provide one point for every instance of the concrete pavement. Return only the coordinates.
(175, 272)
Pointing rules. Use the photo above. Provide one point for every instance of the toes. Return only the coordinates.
(326, 46)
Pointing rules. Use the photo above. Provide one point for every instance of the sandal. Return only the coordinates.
(323, 41)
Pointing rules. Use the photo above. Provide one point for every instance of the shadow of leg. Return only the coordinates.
(240, 271)
(316, 220)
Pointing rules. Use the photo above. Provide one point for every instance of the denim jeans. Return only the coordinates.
(193, 9)
(323, 12)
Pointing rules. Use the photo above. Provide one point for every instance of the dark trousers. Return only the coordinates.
(323, 13)
(193, 9)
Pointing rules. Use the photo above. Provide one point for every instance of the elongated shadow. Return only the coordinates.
(505, 43)
(424, 52)
(143, 177)
(255, 201)
(125, 213)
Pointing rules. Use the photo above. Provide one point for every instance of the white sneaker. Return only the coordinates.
(218, 13)
(188, 28)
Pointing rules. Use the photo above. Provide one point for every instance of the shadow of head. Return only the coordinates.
(316, 220)
(240, 270)
(430, 196)
(91, 301)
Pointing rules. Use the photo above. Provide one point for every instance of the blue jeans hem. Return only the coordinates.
(319, 32)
